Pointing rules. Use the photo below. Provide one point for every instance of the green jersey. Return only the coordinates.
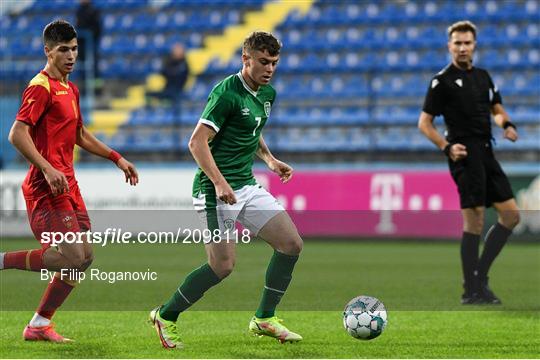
(237, 114)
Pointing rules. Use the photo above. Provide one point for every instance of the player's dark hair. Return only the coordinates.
(58, 31)
(462, 26)
(261, 41)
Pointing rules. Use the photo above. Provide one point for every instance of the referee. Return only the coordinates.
(466, 97)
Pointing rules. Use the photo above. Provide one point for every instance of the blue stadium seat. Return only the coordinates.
(359, 139)
(352, 76)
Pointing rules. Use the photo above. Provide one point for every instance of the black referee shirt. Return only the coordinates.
(464, 98)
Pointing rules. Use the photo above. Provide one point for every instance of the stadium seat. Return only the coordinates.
(352, 76)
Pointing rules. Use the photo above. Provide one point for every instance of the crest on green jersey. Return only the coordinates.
(267, 108)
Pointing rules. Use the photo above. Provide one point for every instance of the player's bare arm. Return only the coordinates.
(279, 167)
(198, 146)
(19, 136)
(456, 151)
(501, 118)
(87, 141)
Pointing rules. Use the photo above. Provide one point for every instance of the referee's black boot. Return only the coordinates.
(471, 296)
(486, 294)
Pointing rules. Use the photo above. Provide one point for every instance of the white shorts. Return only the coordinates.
(253, 209)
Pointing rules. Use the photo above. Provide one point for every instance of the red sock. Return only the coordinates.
(31, 260)
(57, 291)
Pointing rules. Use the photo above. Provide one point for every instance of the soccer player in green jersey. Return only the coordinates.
(224, 143)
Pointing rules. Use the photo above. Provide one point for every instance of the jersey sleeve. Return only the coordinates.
(35, 101)
(434, 101)
(217, 110)
(494, 94)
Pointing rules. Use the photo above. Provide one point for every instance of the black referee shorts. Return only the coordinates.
(479, 177)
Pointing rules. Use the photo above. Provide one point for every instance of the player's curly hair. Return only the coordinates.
(58, 31)
(462, 26)
(261, 41)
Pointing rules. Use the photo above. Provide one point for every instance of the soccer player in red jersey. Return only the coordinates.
(46, 129)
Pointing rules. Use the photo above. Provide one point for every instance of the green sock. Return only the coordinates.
(193, 288)
(278, 277)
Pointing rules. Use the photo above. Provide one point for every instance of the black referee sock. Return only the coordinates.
(495, 240)
(469, 259)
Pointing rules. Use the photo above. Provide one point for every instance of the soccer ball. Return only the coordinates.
(364, 317)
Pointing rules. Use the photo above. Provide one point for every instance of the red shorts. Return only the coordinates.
(63, 213)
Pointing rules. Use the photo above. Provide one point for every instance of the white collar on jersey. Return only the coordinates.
(246, 86)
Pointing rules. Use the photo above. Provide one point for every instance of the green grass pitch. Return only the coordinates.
(418, 282)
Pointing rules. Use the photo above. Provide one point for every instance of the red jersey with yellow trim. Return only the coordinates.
(52, 110)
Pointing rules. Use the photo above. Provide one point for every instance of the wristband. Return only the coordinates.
(446, 149)
(509, 124)
(114, 156)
